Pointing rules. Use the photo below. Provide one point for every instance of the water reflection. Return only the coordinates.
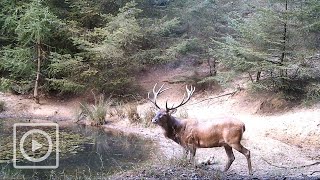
(100, 154)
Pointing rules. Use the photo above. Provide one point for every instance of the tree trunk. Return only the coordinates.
(284, 38)
(258, 76)
(212, 68)
(250, 77)
(36, 85)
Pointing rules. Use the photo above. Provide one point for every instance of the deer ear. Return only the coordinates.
(172, 111)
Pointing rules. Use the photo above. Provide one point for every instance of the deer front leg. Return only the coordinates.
(192, 155)
(192, 148)
(185, 152)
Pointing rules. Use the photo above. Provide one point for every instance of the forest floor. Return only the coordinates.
(283, 144)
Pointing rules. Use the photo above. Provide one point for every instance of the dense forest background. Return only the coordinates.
(65, 47)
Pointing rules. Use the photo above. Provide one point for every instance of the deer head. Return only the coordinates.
(162, 115)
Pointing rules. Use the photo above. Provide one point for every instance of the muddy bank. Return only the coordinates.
(23, 107)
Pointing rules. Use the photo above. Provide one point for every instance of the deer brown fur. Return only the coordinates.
(192, 134)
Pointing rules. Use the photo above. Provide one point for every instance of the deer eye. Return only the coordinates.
(161, 116)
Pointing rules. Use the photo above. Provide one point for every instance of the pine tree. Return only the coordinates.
(269, 43)
(33, 24)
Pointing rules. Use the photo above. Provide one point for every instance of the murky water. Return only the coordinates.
(85, 153)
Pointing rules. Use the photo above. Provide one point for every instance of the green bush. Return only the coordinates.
(5, 84)
(312, 93)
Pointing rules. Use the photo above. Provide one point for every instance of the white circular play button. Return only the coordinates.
(35, 145)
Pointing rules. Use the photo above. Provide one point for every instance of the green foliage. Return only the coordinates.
(5, 84)
(36, 23)
(309, 13)
(16, 69)
(270, 42)
(222, 78)
(61, 64)
(15, 63)
(22, 87)
(30, 26)
(86, 13)
(167, 27)
(312, 93)
(64, 86)
(61, 78)
(185, 46)
(178, 49)
(88, 44)
(292, 90)
(110, 49)
(103, 44)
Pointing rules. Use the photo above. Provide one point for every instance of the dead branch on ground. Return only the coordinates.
(295, 167)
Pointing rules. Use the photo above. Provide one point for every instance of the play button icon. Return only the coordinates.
(35, 145)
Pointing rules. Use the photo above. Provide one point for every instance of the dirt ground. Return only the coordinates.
(283, 144)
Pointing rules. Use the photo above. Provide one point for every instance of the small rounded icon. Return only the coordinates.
(35, 145)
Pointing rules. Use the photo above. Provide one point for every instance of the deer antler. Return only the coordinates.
(184, 100)
(155, 94)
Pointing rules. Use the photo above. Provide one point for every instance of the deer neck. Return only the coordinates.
(173, 129)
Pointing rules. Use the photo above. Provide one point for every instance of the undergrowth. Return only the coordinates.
(294, 91)
(132, 113)
(2, 106)
(97, 111)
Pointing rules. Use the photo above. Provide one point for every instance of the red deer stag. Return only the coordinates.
(192, 134)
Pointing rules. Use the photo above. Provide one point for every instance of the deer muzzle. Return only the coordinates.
(154, 120)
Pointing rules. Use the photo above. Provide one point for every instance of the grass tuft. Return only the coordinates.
(132, 113)
(97, 111)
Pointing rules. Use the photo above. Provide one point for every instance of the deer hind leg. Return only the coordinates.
(245, 152)
(230, 157)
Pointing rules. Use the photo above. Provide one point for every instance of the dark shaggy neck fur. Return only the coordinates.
(173, 128)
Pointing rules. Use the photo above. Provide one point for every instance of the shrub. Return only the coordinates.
(312, 93)
(5, 84)
(118, 110)
(98, 111)
(148, 115)
(132, 113)
(2, 106)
